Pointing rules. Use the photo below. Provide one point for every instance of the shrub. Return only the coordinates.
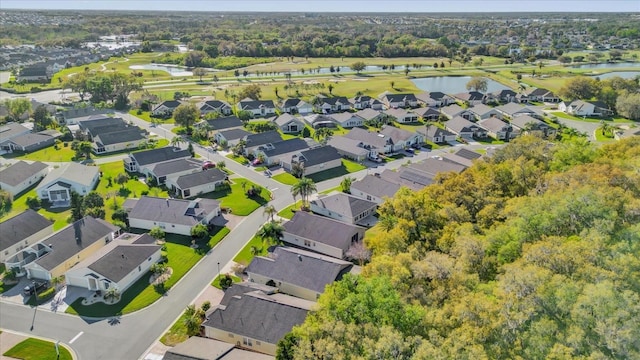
(33, 203)
(206, 305)
(226, 281)
(46, 294)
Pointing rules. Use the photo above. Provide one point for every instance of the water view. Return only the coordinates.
(173, 70)
(622, 74)
(606, 65)
(452, 84)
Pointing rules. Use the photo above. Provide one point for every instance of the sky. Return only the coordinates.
(570, 6)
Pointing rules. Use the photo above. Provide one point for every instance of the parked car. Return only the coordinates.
(35, 286)
(208, 165)
(410, 151)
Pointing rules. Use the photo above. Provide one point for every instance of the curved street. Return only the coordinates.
(129, 336)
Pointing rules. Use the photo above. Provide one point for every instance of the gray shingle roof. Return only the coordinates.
(376, 186)
(200, 178)
(225, 123)
(300, 268)
(101, 124)
(27, 140)
(256, 104)
(172, 211)
(257, 316)
(176, 166)
(434, 131)
(493, 124)
(234, 134)
(20, 171)
(73, 239)
(320, 155)
(468, 154)
(347, 145)
(20, 227)
(11, 130)
(400, 97)
(159, 155)
(122, 260)
(71, 171)
(116, 137)
(459, 125)
(368, 114)
(368, 137)
(322, 229)
(434, 166)
(396, 135)
(291, 102)
(344, 204)
(199, 348)
(523, 120)
(263, 138)
(284, 146)
(286, 118)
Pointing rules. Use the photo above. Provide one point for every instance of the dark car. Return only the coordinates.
(39, 286)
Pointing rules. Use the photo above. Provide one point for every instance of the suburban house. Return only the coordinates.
(126, 139)
(373, 188)
(499, 129)
(315, 160)
(349, 148)
(257, 108)
(408, 177)
(296, 272)
(317, 121)
(511, 110)
(22, 231)
(401, 115)
(528, 124)
(325, 105)
(435, 99)
(10, 131)
(36, 73)
(540, 94)
(214, 106)
(392, 101)
(400, 138)
(454, 110)
(219, 124)
(428, 113)
(369, 114)
(275, 153)
(504, 96)
(465, 128)
(345, 208)
(199, 348)
(160, 172)
(585, 108)
(98, 124)
(21, 175)
(470, 98)
(374, 142)
(143, 161)
(230, 137)
(73, 116)
(362, 102)
(31, 141)
(255, 317)
(296, 106)
(462, 156)
(253, 141)
(196, 183)
(321, 234)
(174, 216)
(482, 111)
(165, 108)
(348, 119)
(70, 177)
(436, 135)
(117, 265)
(56, 254)
(289, 124)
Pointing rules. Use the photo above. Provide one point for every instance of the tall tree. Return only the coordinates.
(358, 66)
(580, 87)
(303, 188)
(270, 211)
(478, 84)
(41, 118)
(17, 107)
(252, 91)
(199, 72)
(186, 115)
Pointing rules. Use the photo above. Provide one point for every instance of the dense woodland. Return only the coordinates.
(326, 35)
(533, 254)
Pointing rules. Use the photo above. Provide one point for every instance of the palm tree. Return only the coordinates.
(271, 232)
(330, 87)
(304, 187)
(322, 135)
(270, 211)
(177, 141)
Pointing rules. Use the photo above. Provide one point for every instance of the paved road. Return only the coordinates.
(131, 335)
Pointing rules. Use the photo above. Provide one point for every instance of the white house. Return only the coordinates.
(327, 105)
(22, 175)
(201, 182)
(165, 107)
(174, 216)
(22, 231)
(345, 208)
(584, 108)
(436, 135)
(289, 124)
(296, 106)
(348, 119)
(399, 100)
(126, 139)
(257, 108)
(213, 106)
(402, 115)
(499, 129)
(144, 161)
(465, 128)
(374, 188)
(69, 177)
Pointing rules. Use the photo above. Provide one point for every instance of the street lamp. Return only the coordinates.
(218, 271)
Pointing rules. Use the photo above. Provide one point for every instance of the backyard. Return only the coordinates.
(347, 167)
(181, 258)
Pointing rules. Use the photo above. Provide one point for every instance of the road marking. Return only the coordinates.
(76, 337)
(274, 189)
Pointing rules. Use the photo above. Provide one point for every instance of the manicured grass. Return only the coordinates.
(285, 178)
(490, 141)
(601, 137)
(50, 154)
(236, 198)
(347, 167)
(59, 215)
(337, 188)
(177, 333)
(246, 254)
(563, 115)
(216, 282)
(36, 349)
(181, 258)
(239, 159)
(4, 287)
(146, 116)
(288, 212)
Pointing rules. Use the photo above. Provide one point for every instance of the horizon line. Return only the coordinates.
(329, 11)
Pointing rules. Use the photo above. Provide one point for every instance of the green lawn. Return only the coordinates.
(601, 137)
(563, 115)
(4, 287)
(236, 198)
(288, 212)
(337, 188)
(63, 154)
(347, 167)
(146, 116)
(216, 282)
(59, 216)
(239, 159)
(246, 254)
(36, 349)
(181, 258)
(490, 141)
(177, 333)
(285, 178)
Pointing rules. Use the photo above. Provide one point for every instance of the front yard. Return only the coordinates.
(235, 197)
(36, 349)
(181, 258)
(255, 246)
(347, 167)
(288, 212)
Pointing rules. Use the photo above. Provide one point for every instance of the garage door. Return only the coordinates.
(38, 274)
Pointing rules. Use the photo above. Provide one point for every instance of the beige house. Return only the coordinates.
(22, 231)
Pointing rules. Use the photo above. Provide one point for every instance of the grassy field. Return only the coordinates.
(563, 115)
(181, 258)
(247, 253)
(49, 154)
(285, 178)
(288, 212)
(59, 215)
(236, 198)
(347, 167)
(36, 349)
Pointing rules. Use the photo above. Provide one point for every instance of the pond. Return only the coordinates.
(606, 65)
(173, 70)
(622, 74)
(452, 84)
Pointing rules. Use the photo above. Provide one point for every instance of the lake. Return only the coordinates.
(452, 84)
(622, 74)
(606, 65)
(173, 70)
